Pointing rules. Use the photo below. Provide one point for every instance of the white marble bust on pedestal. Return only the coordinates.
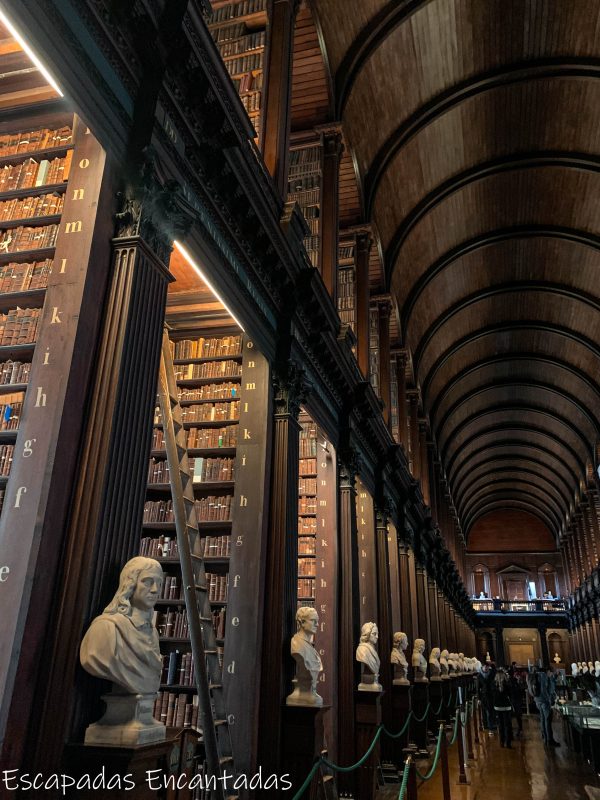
(419, 662)
(308, 661)
(368, 656)
(444, 664)
(556, 658)
(398, 659)
(574, 669)
(121, 645)
(462, 667)
(597, 669)
(451, 664)
(435, 669)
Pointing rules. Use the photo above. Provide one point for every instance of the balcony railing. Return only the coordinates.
(519, 606)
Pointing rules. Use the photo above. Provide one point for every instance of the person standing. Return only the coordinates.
(485, 683)
(516, 698)
(503, 707)
(542, 687)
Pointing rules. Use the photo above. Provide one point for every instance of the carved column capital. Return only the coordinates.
(290, 390)
(349, 466)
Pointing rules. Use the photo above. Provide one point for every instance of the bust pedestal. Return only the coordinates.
(85, 759)
(420, 698)
(367, 711)
(400, 708)
(435, 697)
(446, 692)
(127, 722)
(303, 741)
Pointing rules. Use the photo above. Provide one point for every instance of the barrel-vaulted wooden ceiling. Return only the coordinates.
(476, 130)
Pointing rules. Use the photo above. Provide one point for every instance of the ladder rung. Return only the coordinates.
(210, 652)
(215, 686)
(226, 760)
(206, 619)
(220, 722)
(200, 588)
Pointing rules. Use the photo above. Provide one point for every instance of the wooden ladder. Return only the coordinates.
(212, 718)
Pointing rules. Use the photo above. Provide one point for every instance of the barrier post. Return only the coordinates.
(470, 753)
(476, 719)
(462, 773)
(445, 767)
(411, 787)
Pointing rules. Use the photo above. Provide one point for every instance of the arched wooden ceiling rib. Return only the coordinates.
(514, 461)
(530, 471)
(449, 99)
(516, 487)
(515, 448)
(480, 172)
(519, 501)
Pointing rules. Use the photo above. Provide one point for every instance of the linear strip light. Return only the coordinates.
(15, 33)
(195, 266)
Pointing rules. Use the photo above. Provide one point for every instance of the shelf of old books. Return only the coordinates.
(208, 373)
(346, 294)
(239, 30)
(34, 170)
(304, 187)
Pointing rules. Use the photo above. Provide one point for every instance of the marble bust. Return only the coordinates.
(451, 664)
(556, 658)
(444, 664)
(121, 646)
(398, 659)
(366, 653)
(462, 667)
(597, 669)
(419, 662)
(435, 669)
(308, 661)
(574, 670)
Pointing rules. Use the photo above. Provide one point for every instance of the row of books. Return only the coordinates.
(306, 198)
(25, 207)
(208, 369)
(313, 225)
(236, 10)
(307, 505)
(6, 457)
(244, 64)
(305, 161)
(14, 372)
(19, 326)
(11, 409)
(14, 240)
(306, 588)
(347, 316)
(306, 566)
(201, 438)
(217, 586)
(178, 669)
(16, 277)
(158, 511)
(172, 624)
(159, 547)
(211, 412)
(30, 173)
(301, 184)
(176, 710)
(306, 546)
(215, 547)
(158, 471)
(346, 252)
(208, 509)
(212, 469)
(307, 526)
(29, 141)
(307, 486)
(207, 347)
(228, 32)
(250, 82)
(308, 466)
(210, 391)
(251, 101)
(236, 45)
(346, 301)
(171, 588)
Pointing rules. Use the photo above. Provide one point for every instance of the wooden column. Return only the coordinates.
(349, 614)
(434, 623)
(282, 562)
(424, 462)
(275, 132)
(405, 595)
(332, 149)
(402, 406)
(385, 308)
(384, 604)
(364, 243)
(394, 578)
(413, 399)
(424, 629)
(442, 619)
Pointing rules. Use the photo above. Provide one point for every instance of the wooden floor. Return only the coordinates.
(528, 771)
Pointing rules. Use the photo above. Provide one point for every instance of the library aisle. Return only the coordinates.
(528, 771)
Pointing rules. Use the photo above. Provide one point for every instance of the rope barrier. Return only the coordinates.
(382, 729)
(436, 757)
(435, 713)
(404, 784)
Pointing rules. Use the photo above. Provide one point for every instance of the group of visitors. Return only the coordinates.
(501, 692)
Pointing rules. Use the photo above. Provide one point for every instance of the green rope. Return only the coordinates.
(436, 757)
(361, 761)
(417, 719)
(455, 734)
(449, 703)
(439, 707)
(400, 732)
(404, 784)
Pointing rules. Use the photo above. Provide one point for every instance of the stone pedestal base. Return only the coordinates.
(302, 742)
(127, 722)
(400, 699)
(420, 698)
(367, 709)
